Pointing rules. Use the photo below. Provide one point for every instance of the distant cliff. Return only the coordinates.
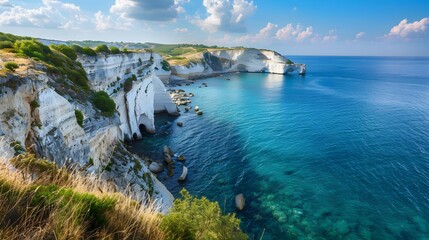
(236, 60)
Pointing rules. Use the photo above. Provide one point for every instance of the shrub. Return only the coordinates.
(198, 218)
(165, 65)
(11, 66)
(102, 49)
(89, 51)
(125, 50)
(128, 85)
(66, 50)
(103, 102)
(32, 48)
(77, 49)
(114, 50)
(79, 117)
(34, 104)
(6, 44)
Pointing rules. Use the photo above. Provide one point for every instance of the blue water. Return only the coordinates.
(342, 153)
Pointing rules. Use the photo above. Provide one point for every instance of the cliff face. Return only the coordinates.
(38, 110)
(238, 60)
(136, 106)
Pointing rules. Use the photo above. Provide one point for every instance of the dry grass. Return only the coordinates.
(40, 201)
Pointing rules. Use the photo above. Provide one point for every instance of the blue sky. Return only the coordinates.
(294, 27)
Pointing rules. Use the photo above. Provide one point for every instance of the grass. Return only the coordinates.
(41, 201)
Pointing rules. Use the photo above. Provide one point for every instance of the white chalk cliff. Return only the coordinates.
(38, 110)
(237, 60)
(136, 107)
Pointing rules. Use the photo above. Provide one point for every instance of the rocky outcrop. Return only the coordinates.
(237, 60)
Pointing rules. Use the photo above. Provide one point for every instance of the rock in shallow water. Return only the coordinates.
(184, 174)
(240, 201)
(156, 167)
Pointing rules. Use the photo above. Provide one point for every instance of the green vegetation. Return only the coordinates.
(165, 65)
(12, 66)
(114, 50)
(289, 62)
(103, 102)
(6, 44)
(60, 62)
(128, 85)
(17, 147)
(42, 201)
(102, 49)
(79, 117)
(34, 104)
(66, 50)
(198, 218)
(89, 51)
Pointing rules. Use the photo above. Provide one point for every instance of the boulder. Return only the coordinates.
(196, 108)
(167, 158)
(168, 150)
(184, 174)
(156, 167)
(180, 124)
(240, 201)
(181, 158)
(200, 113)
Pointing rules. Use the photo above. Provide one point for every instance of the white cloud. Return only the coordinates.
(225, 15)
(181, 30)
(331, 37)
(294, 32)
(150, 10)
(5, 3)
(405, 29)
(52, 14)
(360, 35)
(103, 22)
(265, 32)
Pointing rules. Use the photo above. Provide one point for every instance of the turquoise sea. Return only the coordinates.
(341, 153)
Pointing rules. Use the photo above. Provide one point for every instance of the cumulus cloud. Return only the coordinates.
(52, 13)
(405, 29)
(106, 22)
(360, 35)
(150, 10)
(225, 15)
(181, 30)
(294, 32)
(263, 34)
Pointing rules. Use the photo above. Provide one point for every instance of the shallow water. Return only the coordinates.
(342, 153)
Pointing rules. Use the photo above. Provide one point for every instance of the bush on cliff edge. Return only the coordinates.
(198, 218)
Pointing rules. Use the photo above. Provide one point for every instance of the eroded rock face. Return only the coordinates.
(237, 60)
(59, 136)
(136, 106)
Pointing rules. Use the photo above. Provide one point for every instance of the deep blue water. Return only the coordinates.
(342, 153)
